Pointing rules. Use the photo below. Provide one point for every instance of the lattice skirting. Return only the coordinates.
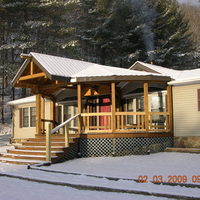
(71, 154)
(123, 146)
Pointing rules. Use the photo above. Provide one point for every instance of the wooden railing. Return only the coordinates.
(162, 123)
(101, 122)
(49, 132)
(137, 124)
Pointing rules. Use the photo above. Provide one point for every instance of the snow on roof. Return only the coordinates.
(97, 70)
(26, 100)
(156, 69)
(179, 76)
(63, 69)
(66, 66)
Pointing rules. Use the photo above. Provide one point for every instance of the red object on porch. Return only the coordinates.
(105, 106)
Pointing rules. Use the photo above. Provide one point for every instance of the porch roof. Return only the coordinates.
(70, 70)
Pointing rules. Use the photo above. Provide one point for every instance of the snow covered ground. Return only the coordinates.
(104, 178)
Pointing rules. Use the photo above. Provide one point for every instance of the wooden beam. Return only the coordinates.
(42, 114)
(25, 56)
(113, 106)
(169, 105)
(32, 76)
(26, 85)
(59, 85)
(79, 99)
(146, 106)
(31, 68)
(52, 112)
(38, 113)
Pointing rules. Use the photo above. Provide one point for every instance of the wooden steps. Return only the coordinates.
(33, 151)
(183, 150)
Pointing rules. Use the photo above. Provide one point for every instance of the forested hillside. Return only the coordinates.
(110, 32)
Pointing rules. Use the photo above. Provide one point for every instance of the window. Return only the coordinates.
(25, 117)
(130, 109)
(28, 117)
(33, 116)
(68, 112)
(140, 104)
(157, 101)
(75, 112)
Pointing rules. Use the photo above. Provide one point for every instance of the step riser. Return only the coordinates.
(58, 136)
(35, 148)
(28, 158)
(43, 144)
(19, 162)
(32, 153)
(53, 140)
(25, 157)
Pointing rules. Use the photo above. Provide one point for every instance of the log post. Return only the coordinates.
(48, 142)
(113, 106)
(79, 99)
(146, 106)
(169, 106)
(38, 114)
(52, 113)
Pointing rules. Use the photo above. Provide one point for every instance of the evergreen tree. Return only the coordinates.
(173, 46)
(109, 32)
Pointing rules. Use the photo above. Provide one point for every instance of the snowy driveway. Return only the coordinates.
(113, 174)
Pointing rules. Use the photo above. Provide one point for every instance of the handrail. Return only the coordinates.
(64, 123)
(49, 132)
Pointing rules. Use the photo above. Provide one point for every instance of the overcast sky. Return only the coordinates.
(192, 2)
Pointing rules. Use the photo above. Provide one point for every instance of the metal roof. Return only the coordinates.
(178, 76)
(156, 69)
(65, 69)
(21, 101)
(101, 72)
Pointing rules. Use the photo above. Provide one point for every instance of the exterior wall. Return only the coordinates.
(123, 146)
(25, 132)
(185, 111)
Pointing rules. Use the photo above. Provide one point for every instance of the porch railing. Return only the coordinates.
(49, 132)
(101, 122)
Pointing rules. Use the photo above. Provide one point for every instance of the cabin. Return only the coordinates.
(112, 111)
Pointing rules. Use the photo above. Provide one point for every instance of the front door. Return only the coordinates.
(105, 106)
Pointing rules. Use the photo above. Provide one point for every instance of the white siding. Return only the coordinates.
(185, 110)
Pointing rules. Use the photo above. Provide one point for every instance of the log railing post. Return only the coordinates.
(79, 98)
(38, 114)
(146, 106)
(48, 142)
(67, 135)
(113, 107)
(169, 106)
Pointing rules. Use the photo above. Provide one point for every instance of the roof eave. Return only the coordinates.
(20, 71)
(121, 78)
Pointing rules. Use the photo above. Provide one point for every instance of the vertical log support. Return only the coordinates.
(52, 112)
(43, 113)
(48, 142)
(38, 114)
(79, 99)
(113, 106)
(146, 106)
(67, 135)
(169, 105)
(31, 68)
